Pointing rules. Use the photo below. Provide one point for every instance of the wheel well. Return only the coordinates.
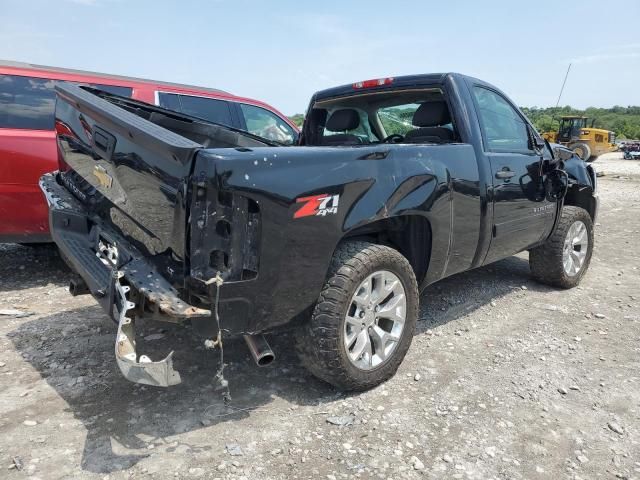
(582, 198)
(409, 234)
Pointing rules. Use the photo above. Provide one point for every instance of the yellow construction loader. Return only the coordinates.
(586, 141)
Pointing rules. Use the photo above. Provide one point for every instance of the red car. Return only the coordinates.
(28, 140)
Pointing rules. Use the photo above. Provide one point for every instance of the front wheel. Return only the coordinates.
(564, 258)
(363, 323)
(582, 150)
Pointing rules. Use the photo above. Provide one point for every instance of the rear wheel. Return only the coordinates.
(582, 150)
(363, 323)
(564, 258)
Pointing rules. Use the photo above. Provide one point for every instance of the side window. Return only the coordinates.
(26, 102)
(210, 109)
(170, 101)
(267, 124)
(114, 89)
(503, 128)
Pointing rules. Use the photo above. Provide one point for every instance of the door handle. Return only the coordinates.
(505, 173)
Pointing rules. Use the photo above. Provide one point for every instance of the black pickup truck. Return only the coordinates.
(395, 184)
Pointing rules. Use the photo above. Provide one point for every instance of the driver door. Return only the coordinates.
(521, 214)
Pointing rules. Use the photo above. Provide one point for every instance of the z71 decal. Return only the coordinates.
(317, 205)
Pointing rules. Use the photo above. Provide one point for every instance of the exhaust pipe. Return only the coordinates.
(77, 286)
(260, 349)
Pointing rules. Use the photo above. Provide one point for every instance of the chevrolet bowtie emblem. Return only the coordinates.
(104, 179)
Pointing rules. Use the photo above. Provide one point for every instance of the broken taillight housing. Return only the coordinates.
(62, 131)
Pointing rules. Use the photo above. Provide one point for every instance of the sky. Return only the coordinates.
(281, 51)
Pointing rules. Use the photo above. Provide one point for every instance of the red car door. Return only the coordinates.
(27, 150)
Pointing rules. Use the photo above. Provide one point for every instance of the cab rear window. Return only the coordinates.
(419, 115)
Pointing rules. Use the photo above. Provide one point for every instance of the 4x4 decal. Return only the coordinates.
(317, 205)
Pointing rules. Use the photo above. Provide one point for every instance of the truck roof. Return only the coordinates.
(402, 81)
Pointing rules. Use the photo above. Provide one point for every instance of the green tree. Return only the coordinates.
(623, 121)
(298, 119)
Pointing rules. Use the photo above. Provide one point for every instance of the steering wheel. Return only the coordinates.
(393, 138)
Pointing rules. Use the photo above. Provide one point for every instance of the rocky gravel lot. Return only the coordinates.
(506, 379)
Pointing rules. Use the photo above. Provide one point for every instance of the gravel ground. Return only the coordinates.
(505, 379)
(613, 164)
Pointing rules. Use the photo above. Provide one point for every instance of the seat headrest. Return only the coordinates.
(431, 114)
(341, 120)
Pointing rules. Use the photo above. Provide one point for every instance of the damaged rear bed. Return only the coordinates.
(120, 220)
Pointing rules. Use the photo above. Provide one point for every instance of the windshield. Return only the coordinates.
(266, 124)
(397, 119)
(574, 123)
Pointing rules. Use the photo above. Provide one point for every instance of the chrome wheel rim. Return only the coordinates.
(375, 320)
(576, 244)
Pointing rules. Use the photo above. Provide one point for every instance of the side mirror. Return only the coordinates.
(562, 153)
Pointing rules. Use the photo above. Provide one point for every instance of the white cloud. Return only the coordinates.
(620, 52)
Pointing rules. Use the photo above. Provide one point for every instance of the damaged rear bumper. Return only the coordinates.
(138, 370)
(120, 279)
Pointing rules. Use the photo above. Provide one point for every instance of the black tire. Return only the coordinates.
(582, 150)
(592, 158)
(546, 261)
(320, 341)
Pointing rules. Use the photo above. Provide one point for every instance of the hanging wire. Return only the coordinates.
(223, 382)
